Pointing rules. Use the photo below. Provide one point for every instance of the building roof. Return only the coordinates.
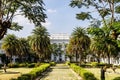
(62, 36)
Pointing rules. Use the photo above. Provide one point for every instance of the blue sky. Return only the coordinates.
(61, 19)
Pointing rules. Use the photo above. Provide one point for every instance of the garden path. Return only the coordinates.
(60, 72)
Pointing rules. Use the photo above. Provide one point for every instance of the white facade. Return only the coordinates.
(59, 39)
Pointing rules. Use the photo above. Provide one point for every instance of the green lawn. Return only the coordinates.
(109, 74)
(13, 73)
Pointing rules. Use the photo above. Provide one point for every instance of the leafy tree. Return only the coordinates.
(104, 9)
(31, 9)
(103, 45)
(40, 42)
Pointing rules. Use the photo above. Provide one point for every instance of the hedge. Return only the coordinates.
(29, 65)
(34, 73)
(96, 64)
(86, 75)
(52, 63)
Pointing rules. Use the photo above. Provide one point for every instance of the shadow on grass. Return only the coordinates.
(10, 72)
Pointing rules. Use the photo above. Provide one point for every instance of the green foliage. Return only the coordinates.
(104, 12)
(34, 73)
(40, 42)
(37, 64)
(31, 9)
(94, 64)
(86, 75)
(22, 64)
(31, 65)
(67, 62)
(79, 43)
(88, 65)
(96, 4)
(16, 27)
(83, 16)
(117, 9)
(13, 65)
(52, 63)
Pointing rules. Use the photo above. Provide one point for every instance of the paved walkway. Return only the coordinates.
(60, 72)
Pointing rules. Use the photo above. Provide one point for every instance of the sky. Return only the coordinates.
(60, 19)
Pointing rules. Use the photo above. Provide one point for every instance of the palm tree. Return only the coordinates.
(11, 45)
(80, 42)
(40, 41)
(24, 48)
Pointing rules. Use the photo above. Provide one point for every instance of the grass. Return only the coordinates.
(109, 73)
(13, 73)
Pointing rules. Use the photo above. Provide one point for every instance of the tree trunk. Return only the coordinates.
(98, 59)
(80, 57)
(76, 56)
(108, 58)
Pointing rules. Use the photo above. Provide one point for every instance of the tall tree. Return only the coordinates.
(24, 50)
(40, 42)
(11, 45)
(104, 9)
(32, 9)
(103, 45)
(80, 42)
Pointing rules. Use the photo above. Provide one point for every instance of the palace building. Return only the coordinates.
(61, 40)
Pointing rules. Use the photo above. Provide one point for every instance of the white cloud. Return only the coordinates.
(51, 10)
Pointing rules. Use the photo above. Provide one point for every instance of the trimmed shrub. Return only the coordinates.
(86, 75)
(31, 65)
(85, 65)
(52, 63)
(34, 73)
(22, 65)
(37, 64)
(94, 64)
(68, 62)
(13, 65)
